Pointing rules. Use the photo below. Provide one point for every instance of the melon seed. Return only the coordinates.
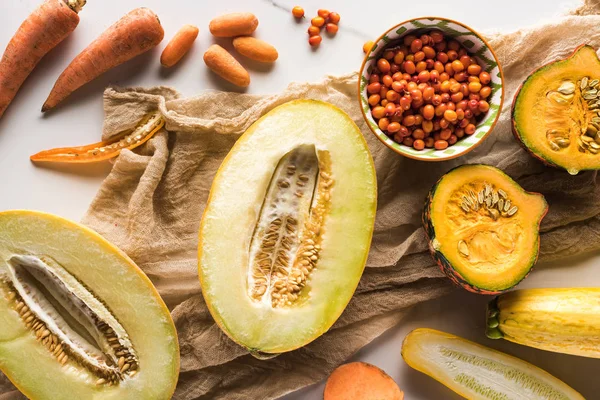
(89, 348)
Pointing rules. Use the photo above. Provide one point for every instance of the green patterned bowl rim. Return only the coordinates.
(476, 45)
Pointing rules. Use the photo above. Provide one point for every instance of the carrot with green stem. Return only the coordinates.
(134, 34)
(43, 30)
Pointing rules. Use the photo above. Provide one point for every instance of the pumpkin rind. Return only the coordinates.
(453, 270)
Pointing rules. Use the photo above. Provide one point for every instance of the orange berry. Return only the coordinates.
(323, 13)
(313, 30)
(315, 40)
(331, 28)
(367, 46)
(334, 18)
(318, 21)
(298, 12)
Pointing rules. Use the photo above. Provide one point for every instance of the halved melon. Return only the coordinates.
(79, 320)
(287, 228)
(556, 112)
(483, 228)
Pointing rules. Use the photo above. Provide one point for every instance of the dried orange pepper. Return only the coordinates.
(151, 124)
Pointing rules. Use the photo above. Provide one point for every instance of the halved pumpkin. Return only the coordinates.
(79, 320)
(556, 112)
(287, 228)
(483, 228)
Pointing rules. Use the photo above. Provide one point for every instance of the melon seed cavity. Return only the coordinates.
(73, 324)
(287, 239)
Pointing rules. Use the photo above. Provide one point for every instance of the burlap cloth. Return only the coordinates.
(151, 204)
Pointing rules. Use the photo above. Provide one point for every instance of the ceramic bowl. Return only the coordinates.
(477, 47)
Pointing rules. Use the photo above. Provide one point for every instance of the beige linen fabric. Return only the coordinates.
(151, 204)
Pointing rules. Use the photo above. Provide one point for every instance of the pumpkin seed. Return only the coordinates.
(584, 83)
(563, 142)
(502, 193)
(512, 211)
(566, 88)
(594, 82)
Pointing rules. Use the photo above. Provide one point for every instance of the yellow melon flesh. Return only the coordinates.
(235, 210)
(114, 279)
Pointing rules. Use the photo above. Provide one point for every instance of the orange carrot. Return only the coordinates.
(134, 34)
(131, 139)
(178, 46)
(43, 30)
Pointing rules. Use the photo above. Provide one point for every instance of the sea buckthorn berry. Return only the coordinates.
(383, 102)
(457, 66)
(426, 39)
(318, 21)
(460, 114)
(452, 140)
(464, 89)
(383, 124)
(374, 88)
(473, 79)
(383, 91)
(418, 119)
(445, 134)
(428, 93)
(315, 40)
(427, 126)
(394, 68)
(408, 39)
(422, 86)
(468, 115)
(378, 112)
(470, 129)
(374, 78)
(462, 105)
(474, 87)
(412, 86)
(405, 103)
(409, 67)
(334, 17)
(424, 76)
(485, 78)
(466, 121)
(436, 35)
(367, 46)
(436, 100)
(429, 142)
(438, 66)
(393, 127)
(434, 75)
(485, 92)
(440, 110)
(416, 45)
(392, 95)
(465, 60)
(418, 134)
(397, 86)
(429, 52)
(409, 120)
(383, 65)
(453, 45)
(313, 30)
(408, 141)
(455, 87)
(483, 106)
(421, 66)
(460, 76)
(419, 56)
(444, 77)
(459, 132)
(441, 46)
(331, 28)
(397, 76)
(445, 86)
(456, 97)
(298, 12)
(451, 106)
(452, 55)
(323, 13)
(442, 57)
(418, 144)
(374, 100)
(387, 80)
(445, 97)
(416, 94)
(444, 123)
(474, 69)
(440, 145)
(399, 57)
(390, 108)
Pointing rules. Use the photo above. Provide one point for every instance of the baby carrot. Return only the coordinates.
(46, 27)
(143, 132)
(134, 34)
(178, 46)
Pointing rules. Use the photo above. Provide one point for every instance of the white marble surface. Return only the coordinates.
(68, 191)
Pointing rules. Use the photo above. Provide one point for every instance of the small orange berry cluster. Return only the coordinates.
(324, 18)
